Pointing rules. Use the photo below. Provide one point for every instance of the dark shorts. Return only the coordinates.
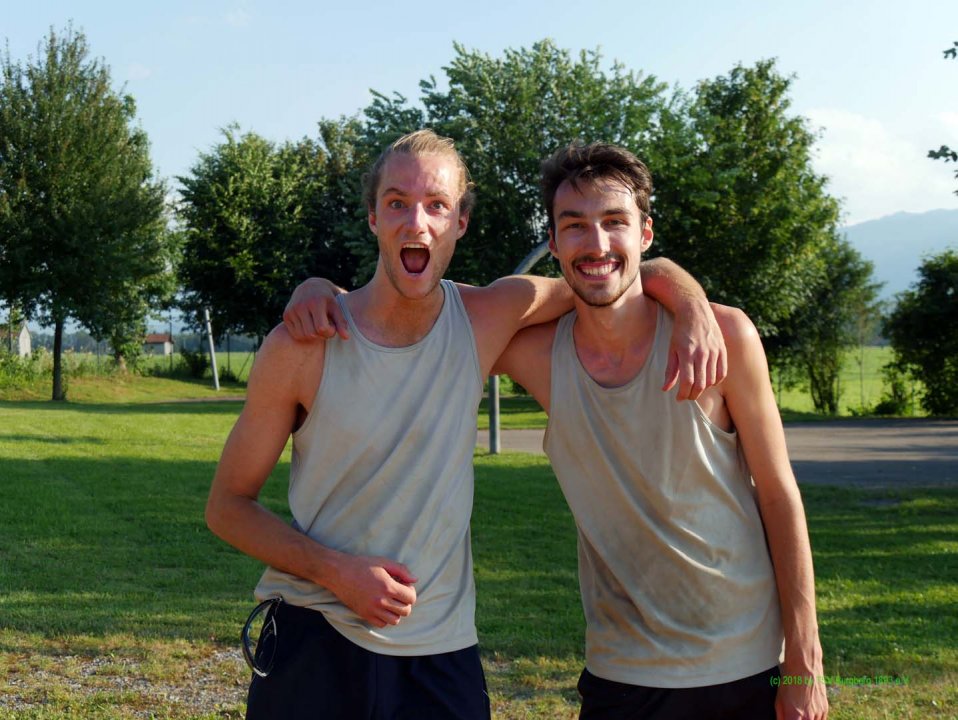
(751, 698)
(318, 673)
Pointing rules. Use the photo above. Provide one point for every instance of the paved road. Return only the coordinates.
(861, 453)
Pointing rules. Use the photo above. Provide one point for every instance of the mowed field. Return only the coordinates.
(116, 602)
(860, 382)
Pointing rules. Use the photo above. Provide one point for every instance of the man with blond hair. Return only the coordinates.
(371, 586)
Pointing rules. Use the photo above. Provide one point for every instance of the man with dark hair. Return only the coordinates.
(372, 611)
(686, 605)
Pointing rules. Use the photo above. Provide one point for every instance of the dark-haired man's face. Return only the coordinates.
(598, 238)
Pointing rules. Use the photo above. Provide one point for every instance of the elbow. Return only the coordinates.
(214, 516)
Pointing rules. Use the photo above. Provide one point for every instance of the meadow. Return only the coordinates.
(117, 602)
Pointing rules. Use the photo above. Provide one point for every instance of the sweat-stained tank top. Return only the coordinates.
(676, 580)
(383, 466)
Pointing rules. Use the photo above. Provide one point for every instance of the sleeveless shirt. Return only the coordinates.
(676, 580)
(383, 466)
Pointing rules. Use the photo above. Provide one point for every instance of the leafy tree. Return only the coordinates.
(341, 246)
(80, 211)
(822, 330)
(921, 330)
(245, 241)
(506, 115)
(737, 201)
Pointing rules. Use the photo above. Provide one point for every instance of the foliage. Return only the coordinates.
(80, 213)
(507, 114)
(820, 332)
(197, 362)
(738, 203)
(244, 240)
(894, 400)
(944, 152)
(921, 329)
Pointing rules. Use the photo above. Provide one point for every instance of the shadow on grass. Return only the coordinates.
(224, 406)
(119, 545)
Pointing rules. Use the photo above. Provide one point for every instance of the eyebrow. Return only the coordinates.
(429, 193)
(576, 214)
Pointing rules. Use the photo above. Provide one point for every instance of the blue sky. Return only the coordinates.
(869, 73)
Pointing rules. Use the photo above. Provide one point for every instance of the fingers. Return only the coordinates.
(671, 372)
(339, 320)
(691, 373)
(399, 572)
(315, 318)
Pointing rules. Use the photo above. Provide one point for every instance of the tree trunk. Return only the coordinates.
(58, 391)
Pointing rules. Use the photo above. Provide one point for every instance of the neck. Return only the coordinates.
(613, 342)
(387, 318)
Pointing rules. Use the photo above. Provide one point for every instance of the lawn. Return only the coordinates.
(116, 602)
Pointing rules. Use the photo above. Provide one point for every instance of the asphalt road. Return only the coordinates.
(861, 453)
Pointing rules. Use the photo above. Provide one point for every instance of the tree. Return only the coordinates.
(506, 115)
(921, 329)
(737, 201)
(944, 152)
(819, 332)
(79, 208)
(245, 242)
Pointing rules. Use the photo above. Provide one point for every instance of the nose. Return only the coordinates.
(597, 239)
(417, 218)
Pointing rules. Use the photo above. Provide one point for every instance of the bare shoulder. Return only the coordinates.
(286, 366)
(740, 334)
(735, 324)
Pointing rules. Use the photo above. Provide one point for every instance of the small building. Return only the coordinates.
(17, 342)
(158, 344)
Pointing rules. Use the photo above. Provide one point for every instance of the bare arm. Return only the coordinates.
(499, 310)
(751, 404)
(377, 589)
(697, 355)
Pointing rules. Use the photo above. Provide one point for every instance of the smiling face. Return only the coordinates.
(598, 238)
(417, 220)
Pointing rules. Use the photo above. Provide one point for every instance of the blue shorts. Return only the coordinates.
(751, 698)
(318, 673)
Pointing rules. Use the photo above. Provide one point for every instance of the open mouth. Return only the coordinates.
(414, 258)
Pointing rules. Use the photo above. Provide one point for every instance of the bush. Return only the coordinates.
(895, 398)
(196, 362)
(16, 371)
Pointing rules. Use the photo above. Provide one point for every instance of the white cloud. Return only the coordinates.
(137, 72)
(237, 18)
(878, 171)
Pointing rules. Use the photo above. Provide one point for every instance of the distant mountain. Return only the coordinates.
(897, 243)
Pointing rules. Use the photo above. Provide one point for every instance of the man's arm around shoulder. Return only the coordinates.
(751, 403)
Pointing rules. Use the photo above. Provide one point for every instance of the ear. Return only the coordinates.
(371, 219)
(552, 243)
(647, 233)
(463, 224)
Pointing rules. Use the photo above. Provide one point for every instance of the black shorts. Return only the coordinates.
(751, 698)
(318, 673)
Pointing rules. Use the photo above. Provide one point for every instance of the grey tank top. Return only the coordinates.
(383, 466)
(676, 580)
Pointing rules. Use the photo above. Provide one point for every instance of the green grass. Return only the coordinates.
(860, 386)
(115, 601)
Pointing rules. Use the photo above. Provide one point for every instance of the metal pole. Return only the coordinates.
(539, 252)
(209, 336)
(494, 414)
